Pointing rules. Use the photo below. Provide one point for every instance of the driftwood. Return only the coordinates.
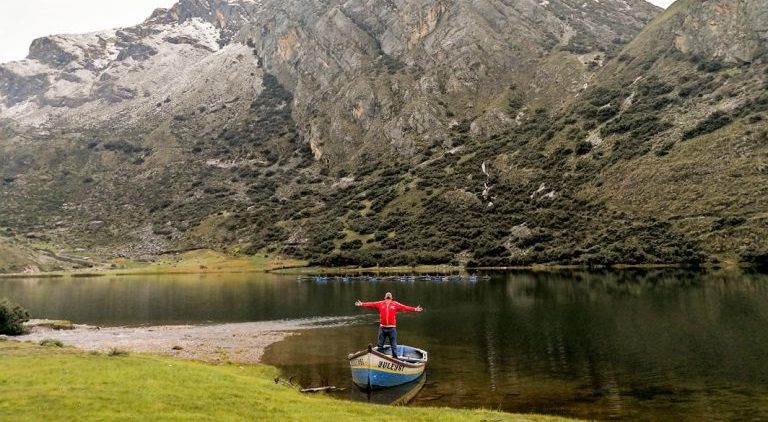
(431, 398)
(321, 389)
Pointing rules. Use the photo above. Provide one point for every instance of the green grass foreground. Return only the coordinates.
(53, 383)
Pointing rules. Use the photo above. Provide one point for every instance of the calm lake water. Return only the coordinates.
(633, 345)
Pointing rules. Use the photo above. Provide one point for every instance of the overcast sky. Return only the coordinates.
(21, 21)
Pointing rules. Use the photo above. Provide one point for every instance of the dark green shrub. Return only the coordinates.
(464, 126)
(730, 221)
(607, 112)
(653, 87)
(698, 86)
(638, 129)
(711, 66)
(637, 125)
(351, 245)
(756, 258)
(664, 148)
(516, 102)
(12, 316)
(362, 225)
(712, 123)
(583, 148)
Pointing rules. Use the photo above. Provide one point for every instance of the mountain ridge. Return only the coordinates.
(335, 130)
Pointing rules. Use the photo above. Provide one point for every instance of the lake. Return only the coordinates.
(631, 344)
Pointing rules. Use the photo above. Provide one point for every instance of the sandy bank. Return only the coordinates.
(234, 342)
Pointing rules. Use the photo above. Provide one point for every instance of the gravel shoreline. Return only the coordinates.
(219, 343)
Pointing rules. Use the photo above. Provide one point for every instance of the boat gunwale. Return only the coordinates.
(388, 358)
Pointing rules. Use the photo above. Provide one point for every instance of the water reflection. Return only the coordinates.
(657, 344)
(395, 396)
(632, 345)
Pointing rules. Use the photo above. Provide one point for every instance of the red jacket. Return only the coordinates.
(387, 312)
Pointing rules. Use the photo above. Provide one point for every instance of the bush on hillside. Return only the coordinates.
(351, 245)
(756, 258)
(727, 222)
(12, 316)
(712, 123)
(710, 66)
(583, 148)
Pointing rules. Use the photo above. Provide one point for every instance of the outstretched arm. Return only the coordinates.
(371, 305)
(406, 308)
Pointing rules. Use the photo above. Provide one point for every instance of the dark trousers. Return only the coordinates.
(391, 333)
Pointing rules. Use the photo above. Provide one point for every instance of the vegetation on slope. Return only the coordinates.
(661, 160)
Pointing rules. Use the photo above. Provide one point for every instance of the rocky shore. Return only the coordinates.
(219, 343)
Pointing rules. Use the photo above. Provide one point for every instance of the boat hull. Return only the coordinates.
(374, 370)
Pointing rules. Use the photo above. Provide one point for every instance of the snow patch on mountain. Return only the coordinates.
(126, 74)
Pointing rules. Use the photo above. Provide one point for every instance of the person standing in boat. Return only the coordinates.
(388, 309)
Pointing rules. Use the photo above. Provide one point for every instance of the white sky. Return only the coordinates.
(21, 21)
(662, 3)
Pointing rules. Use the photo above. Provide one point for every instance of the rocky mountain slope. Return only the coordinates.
(378, 76)
(503, 132)
(688, 101)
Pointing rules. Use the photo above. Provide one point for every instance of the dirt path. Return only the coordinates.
(235, 342)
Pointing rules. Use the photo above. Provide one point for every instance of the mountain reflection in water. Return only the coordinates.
(648, 345)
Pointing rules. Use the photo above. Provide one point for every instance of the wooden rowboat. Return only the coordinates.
(375, 368)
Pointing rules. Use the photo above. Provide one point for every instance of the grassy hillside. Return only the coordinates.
(15, 257)
(51, 383)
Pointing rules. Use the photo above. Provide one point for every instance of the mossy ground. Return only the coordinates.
(208, 261)
(52, 383)
(198, 261)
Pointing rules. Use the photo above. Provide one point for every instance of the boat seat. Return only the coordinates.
(407, 355)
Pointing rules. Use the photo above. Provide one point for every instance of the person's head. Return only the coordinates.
(388, 296)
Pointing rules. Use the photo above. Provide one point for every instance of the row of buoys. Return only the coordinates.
(472, 278)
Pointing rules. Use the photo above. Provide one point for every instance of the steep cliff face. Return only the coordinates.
(390, 77)
(735, 31)
(396, 76)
